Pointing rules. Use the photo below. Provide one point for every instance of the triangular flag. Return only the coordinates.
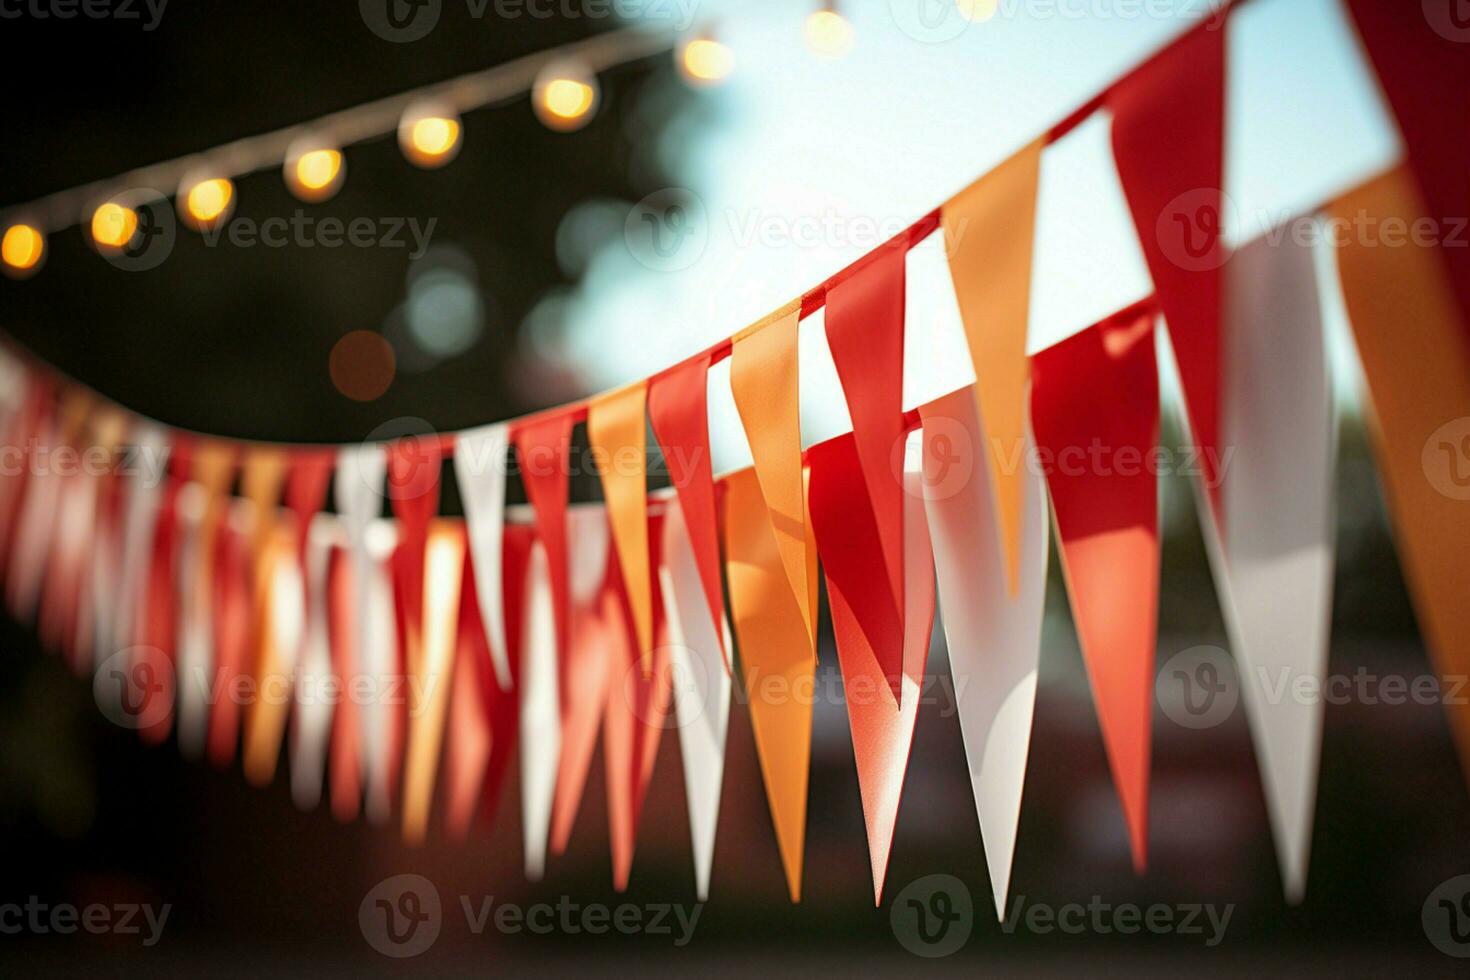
(230, 617)
(544, 449)
(282, 617)
(203, 507)
(637, 707)
(153, 657)
(678, 410)
(479, 466)
(316, 687)
(616, 430)
(470, 738)
(36, 518)
(989, 232)
(1420, 60)
(540, 715)
(994, 638)
(777, 651)
(847, 539)
(865, 323)
(358, 489)
(1417, 367)
(1169, 144)
(1274, 570)
(504, 707)
(432, 672)
(589, 665)
(701, 687)
(764, 380)
(1097, 393)
(346, 764)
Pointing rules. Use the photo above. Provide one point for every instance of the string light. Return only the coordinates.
(565, 96)
(207, 201)
(828, 33)
(429, 134)
(22, 249)
(313, 171)
(113, 226)
(705, 61)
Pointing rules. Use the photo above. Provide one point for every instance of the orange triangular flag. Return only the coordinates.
(989, 228)
(1412, 345)
(764, 381)
(617, 431)
(778, 659)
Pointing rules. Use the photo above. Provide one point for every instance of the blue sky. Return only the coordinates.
(800, 164)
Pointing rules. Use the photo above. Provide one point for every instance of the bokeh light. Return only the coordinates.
(22, 249)
(362, 365)
(565, 96)
(705, 61)
(114, 225)
(206, 202)
(977, 11)
(429, 135)
(313, 171)
(828, 34)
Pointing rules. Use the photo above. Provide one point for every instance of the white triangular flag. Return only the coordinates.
(34, 528)
(479, 467)
(311, 722)
(140, 519)
(358, 488)
(701, 689)
(540, 721)
(1274, 572)
(994, 638)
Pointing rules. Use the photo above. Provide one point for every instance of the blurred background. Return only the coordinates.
(533, 287)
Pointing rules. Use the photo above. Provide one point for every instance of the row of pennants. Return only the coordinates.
(537, 636)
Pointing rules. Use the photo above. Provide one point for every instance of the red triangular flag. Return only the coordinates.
(678, 411)
(637, 706)
(1169, 142)
(1098, 391)
(544, 448)
(1424, 67)
(864, 320)
(847, 541)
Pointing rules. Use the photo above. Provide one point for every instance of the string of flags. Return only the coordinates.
(186, 564)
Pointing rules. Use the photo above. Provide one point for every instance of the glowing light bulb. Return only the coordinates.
(22, 249)
(207, 201)
(977, 11)
(114, 225)
(314, 171)
(429, 135)
(705, 61)
(564, 97)
(828, 34)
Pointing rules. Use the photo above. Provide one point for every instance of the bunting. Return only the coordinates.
(1095, 408)
(616, 425)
